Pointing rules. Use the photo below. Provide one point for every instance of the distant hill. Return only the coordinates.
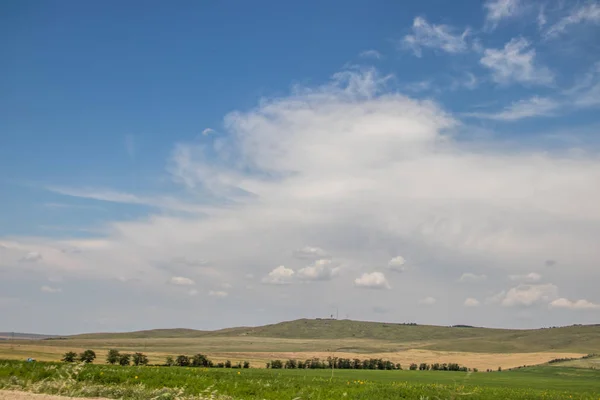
(579, 338)
(23, 336)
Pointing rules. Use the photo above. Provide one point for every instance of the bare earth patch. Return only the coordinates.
(12, 395)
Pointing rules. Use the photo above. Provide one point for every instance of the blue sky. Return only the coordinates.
(239, 152)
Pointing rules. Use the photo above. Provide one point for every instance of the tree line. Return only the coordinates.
(114, 357)
(371, 363)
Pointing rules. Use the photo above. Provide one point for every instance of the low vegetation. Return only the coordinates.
(153, 382)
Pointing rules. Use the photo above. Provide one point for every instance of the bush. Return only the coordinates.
(112, 357)
(140, 359)
(124, 359)
(413, 367)
(246, 364)
(200, 360)
(169, 362)
(69, 357)
(227, 364)
(182, 361)
(87, 356)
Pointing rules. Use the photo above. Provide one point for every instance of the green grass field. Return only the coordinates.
(250, 384)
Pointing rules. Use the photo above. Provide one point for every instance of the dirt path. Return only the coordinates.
(10, 395)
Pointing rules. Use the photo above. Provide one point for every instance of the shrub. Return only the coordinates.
(87, 356)
(413, 367)
(69, 356)
(227, 364)
(140, 359)
(169, 362)
(112, 357)
(124, 359)
(200, 360)
(182, 361)
(246, 364)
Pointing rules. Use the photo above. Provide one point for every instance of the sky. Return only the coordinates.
(226, 163)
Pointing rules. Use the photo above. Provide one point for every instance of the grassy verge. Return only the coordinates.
(187, 383)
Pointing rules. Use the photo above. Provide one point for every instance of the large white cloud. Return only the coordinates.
(354, 168)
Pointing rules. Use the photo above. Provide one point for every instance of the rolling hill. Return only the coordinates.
(577, 338)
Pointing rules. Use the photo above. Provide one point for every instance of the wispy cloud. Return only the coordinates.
(50, 289)
(440, 37)
(497, 10)
(528, 108)
(112, 196)
(587, 13)
(516, 63)
(371, 54)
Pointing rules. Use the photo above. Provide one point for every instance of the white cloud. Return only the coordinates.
(371, 54)
(373, 280)
(541, 18)
(311, 253)
(397, 264)
(218, 293)
(574, 305)
(497, 10)
(279, 276)
(587, 13)
(427, 300)
(208, 131)
(50, 289)
(182, 281)
(440, 37)
(528, 295)
(472, 278)
(533, 107)
(586, 92)
(321, 270)
(496, 298)
(192, 292)
(471, 302)
(530, 277)
(516, 63)
(127, 198)
(360, 171)
(32, 256)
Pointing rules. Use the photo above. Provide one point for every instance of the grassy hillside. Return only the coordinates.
(353, 336)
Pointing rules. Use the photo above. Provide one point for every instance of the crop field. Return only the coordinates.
(91, 380)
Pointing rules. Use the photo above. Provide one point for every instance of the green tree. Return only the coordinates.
(69, 357)
(140, 359)
(246, 364)
(182, 361)
(169, 362)
(413, 367)
(112, 357)
(200, 360)
(124, 359)
(227, 364)
(87, 356)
